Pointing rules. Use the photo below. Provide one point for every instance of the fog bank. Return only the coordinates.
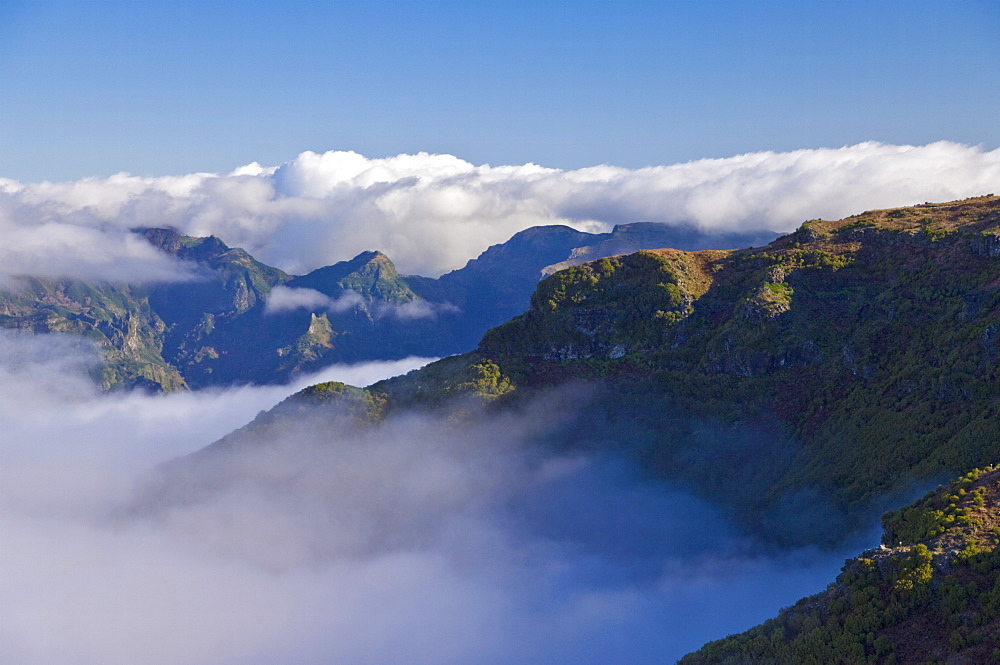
(432, 213)
(411, 543)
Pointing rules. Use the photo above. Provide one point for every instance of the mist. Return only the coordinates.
(287, 299)
(432, 213)
(414, 542)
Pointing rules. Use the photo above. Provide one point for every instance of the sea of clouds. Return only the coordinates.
(431, 213)
(413, 543)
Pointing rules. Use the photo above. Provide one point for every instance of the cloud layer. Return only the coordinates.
(414, 544)
(431, 213)
(288, 299)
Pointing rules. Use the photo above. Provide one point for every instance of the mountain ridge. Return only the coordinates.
(217, 329)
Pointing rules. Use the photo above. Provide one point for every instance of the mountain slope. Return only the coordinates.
(352, 311)
(498, 284)
(930, 593)
(233, 283)
(119, 320)
(370, 274)
(796, 386)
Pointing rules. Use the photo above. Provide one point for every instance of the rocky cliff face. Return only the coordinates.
(119, 320)
(371, 275)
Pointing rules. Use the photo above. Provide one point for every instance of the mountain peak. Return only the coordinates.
(371, 274)
(184, 246)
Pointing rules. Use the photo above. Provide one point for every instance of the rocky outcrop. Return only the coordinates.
(987, 244)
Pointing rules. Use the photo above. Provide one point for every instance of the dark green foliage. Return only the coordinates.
(117, 318)
(835, 370)
(149, 335)
(605, 309)
(361, 405)
(792, 385)
(214, 330)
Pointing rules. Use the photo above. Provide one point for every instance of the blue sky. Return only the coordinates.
(93, 88)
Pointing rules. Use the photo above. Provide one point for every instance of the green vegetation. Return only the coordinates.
(370, 274)
(937, 512)
(208, 331)
(937, 601)
(310, 347)
(772, 299)
(445, 382)
(360, 405)
(864, 351)
(606, 309)
(118, 319)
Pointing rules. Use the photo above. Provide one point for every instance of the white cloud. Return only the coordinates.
(420, 309)
(56, 249)
(431, 213)
(288, 299)
(51, 410)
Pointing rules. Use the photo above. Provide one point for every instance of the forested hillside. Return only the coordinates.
(872, 341)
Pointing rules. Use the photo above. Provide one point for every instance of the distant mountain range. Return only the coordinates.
(245, 322)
